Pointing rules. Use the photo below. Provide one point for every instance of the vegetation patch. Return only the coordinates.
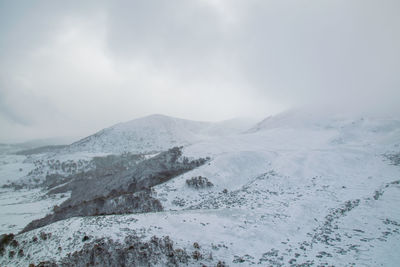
(199, 182)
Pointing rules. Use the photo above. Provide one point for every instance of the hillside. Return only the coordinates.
(154, 133)
(297, 189)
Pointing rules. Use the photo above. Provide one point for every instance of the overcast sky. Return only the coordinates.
(70, 68)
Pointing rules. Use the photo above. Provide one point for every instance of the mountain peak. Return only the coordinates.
(158, 116)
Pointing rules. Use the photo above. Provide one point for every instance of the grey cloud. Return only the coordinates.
(9, 113)
(93, 63)
(184, 36)
(291, 51)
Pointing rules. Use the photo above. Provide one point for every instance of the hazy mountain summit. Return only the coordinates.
(155, 133)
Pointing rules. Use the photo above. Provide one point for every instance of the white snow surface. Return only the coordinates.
(18, 208)
(155, 133)
(300, 189)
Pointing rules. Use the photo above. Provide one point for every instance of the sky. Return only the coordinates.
(71, 68)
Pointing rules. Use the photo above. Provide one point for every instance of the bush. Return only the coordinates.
(196, 245)
(5, 239)
(14, 243)
(197, 255)
(11, 254)
(199, 182)
(45, 236)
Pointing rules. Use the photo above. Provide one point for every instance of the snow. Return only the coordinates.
(18, 208)
(155, 133)
(301, 188)
(13, 167)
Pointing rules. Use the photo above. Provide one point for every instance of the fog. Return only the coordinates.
(70, 68)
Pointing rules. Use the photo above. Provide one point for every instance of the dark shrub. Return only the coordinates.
(199, 182)
(196, 245)
(5, 239)
(11, 254)
(196, 255)
(14, 243)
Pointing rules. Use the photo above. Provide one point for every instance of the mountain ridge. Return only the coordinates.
(155, 132)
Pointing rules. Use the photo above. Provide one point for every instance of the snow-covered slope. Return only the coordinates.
(298, 189)
(155, 133)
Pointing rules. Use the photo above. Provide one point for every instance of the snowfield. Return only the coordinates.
(297, 189)
(155, 133)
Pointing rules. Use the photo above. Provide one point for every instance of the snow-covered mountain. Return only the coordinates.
(298, 189)
(155, 133)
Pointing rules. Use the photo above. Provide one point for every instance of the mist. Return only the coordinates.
(72, 68)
